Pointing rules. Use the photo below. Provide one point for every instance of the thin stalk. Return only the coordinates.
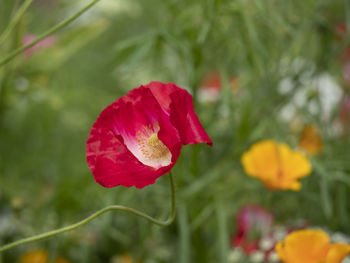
(99, 213)
(8, 73)
(17, 17)
(195, 160)
(64, 23)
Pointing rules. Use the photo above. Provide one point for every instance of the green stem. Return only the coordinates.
(195, 163)
(64, 23)
(15, 20)
(99, 213)
(8, 73)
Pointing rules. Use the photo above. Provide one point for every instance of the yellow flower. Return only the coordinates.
(310, 140)
(310, 246)
(39, 256)
(276, 165)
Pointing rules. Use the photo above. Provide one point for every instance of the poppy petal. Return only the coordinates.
(178, 103)
(137, 121)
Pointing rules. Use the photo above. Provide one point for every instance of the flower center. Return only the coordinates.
(155, 148)
(154, 152)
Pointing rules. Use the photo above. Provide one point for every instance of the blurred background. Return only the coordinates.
(257, 69)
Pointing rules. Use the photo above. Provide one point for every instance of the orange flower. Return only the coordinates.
(310, 140)
(311, 246)
(61, 260)
(276, 165)
(39, 256)
(126, 258)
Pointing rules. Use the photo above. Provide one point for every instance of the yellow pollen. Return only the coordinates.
(150, 145)
(153, 140)
(156, 148)
(150, 149)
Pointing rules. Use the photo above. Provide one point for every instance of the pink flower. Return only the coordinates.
(254, 217)
(138, 138)
(44, 43)
(253, 223)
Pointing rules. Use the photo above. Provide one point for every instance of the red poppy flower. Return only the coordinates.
(138, 138)
(211, 87)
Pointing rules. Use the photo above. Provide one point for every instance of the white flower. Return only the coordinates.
(266, 243)
(235, 255)
(340, 237)
(257, 256)
(279, 233)
(273, 257)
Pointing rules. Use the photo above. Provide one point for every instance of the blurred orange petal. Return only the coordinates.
(261, 160)
(276, 165)
(337, 252)
(304, 246)
(126, 258)
(294, 163)
(310, 140)
(39, 256)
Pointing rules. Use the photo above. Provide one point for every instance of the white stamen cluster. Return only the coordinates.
(151, 147)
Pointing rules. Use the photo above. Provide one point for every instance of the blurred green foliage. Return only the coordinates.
(49, 101)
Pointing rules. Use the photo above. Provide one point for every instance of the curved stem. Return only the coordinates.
(99, 213)
(15, 20)
(45, 34)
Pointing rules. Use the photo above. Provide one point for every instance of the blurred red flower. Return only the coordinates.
(345, 109)
(211, 87)
(344, 116)
(341, 31)
(138, 138)
(253, 223)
